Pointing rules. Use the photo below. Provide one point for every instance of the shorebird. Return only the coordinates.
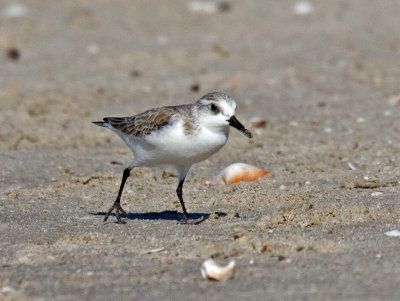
(175, 135)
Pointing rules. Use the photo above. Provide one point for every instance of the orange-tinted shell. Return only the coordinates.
(238, 172)
(247, 175)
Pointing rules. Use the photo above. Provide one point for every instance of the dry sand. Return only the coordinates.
(327, 83)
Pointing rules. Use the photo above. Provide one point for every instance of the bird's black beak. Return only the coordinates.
(233, 122)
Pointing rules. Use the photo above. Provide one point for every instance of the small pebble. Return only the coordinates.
(195, 87)
(135, 73)
(279, 257)
(224, 6)
(13, 54)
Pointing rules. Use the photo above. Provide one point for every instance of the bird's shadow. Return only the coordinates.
(164, 215)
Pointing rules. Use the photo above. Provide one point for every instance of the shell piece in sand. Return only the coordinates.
(240, 172)
(211, 270)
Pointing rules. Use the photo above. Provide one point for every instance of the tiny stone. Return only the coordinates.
(224, 6)
(13, 54)
(136, 73)
(195, 87)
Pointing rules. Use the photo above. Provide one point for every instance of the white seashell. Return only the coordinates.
(15, 10)
(211, 270)
(93, 48)
(393, 233)
(152, 251)
(239, 172)
(351, 166)
(206, 7)
(7, 290)
(303, 8)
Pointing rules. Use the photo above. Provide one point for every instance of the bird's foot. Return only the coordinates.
(118, 210)
(187, 221)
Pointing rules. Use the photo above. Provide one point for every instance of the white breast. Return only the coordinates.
(172, 146)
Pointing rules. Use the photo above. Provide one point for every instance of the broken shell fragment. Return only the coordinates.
(211, 270)
(240, 172)
(257, 123)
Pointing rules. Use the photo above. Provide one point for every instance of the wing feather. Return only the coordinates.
(143, 123)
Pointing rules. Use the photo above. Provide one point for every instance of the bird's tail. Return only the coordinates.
(104, 123)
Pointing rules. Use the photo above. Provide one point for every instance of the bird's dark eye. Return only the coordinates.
(213, 107)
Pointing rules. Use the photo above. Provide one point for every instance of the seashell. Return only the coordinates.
(211, 270)
(240, 172)
(303, 8)
(393, 233)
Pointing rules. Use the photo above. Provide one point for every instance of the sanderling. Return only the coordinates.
(175, 135)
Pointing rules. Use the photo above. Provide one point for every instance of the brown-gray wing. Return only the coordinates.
(143, 123)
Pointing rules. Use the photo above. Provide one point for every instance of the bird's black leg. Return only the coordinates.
(179, 193)
(117, 205)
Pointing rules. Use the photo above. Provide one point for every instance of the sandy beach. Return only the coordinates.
(323, 75)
